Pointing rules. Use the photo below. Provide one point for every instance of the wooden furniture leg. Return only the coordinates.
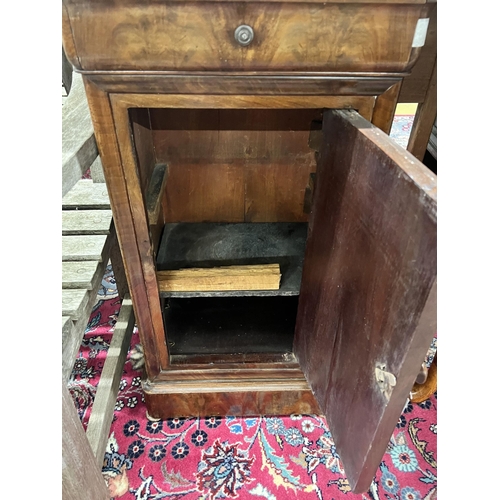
(421, 392)
(424, 120)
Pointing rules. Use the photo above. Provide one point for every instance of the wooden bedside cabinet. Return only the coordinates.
(247, 133)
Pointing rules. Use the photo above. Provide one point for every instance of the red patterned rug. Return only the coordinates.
(245, 458)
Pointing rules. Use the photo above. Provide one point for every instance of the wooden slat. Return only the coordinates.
(74, 302)
(81, 476)
(424, 120)
(253, 277)
(81, 274)
(107, 389)
(79, 148)
(72, 338)
(86, 194)
(96, 171)
(76, 222)
(87, 247)
(67, 325)
(72, 341)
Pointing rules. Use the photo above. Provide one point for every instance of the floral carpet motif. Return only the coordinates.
(213, 458)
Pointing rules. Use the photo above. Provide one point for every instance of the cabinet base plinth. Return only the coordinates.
(236, 398)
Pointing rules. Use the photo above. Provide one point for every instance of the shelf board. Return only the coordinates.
(207, 245)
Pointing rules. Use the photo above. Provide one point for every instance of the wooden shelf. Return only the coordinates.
(204, 245)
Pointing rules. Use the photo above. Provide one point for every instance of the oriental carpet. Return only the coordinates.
(275, 458)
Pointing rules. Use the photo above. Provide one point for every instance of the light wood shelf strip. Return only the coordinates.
(251, 277)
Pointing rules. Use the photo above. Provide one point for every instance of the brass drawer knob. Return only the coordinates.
(243, 35)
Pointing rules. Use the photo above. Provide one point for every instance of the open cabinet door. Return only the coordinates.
(367, 307)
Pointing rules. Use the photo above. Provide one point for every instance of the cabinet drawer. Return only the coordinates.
(337, 37)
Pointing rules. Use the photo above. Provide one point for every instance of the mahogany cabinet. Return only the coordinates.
(250, 132)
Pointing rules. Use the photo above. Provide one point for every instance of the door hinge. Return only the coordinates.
(386, 381)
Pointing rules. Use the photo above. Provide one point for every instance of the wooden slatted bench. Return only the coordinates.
(87, 236)
(88, 242)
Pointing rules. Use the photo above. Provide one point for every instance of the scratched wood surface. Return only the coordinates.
(367, 297)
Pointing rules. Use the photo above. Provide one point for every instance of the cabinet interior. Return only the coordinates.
(226, 187)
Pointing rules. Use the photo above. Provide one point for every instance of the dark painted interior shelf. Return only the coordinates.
(188, 245)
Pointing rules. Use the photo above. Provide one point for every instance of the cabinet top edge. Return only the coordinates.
(149, 2)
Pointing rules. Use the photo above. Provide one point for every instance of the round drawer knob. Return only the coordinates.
(243, 35)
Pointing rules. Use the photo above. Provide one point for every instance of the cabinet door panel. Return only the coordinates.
(367, 303)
